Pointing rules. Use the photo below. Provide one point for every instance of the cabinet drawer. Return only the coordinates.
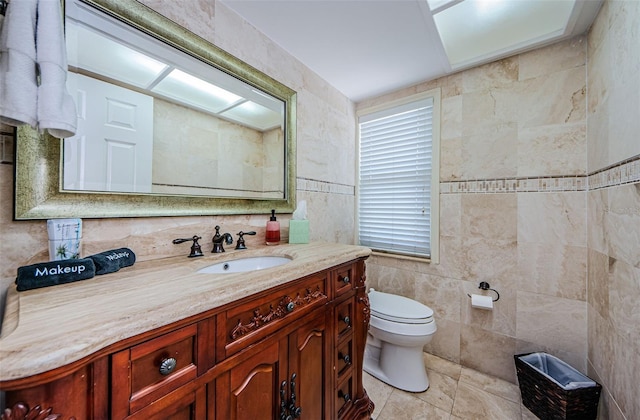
(343, 396)
(344, 357)
(343, 279)
(185, 403)
(252, 321)
(344, 318)
(145, 372)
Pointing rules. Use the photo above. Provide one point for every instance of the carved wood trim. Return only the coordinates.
(21, 411)
(363, 276)
(258, 320)
(366, 309)
(364, 297)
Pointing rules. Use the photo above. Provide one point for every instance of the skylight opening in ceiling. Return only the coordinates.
(437, 5)
(478, 30)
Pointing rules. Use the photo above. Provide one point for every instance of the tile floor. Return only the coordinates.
(455, 393)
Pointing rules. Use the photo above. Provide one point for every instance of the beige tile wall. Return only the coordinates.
(513, 212)
(210, 149)
(613, 207)
(550, 218)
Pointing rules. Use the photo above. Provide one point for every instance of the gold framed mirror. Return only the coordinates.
(40, 191)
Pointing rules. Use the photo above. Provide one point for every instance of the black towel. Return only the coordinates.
(54, 272)
(112, 261)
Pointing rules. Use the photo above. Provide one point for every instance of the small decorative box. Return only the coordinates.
(298, 231)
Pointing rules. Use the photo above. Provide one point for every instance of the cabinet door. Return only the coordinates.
(309, 348)
(250, 390)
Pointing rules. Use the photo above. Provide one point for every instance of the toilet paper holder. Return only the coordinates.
(486, 286)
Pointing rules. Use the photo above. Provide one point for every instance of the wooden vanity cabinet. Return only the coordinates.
(279, 378)
(294, 351)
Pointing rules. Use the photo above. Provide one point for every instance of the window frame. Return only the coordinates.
(435, 94)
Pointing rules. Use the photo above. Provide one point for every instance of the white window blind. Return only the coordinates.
(394, 209)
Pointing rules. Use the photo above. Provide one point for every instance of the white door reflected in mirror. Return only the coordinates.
(113, 146)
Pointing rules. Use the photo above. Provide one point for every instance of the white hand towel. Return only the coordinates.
(56, 108)
(18, 87)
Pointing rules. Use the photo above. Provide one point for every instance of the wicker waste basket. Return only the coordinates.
(552, 389)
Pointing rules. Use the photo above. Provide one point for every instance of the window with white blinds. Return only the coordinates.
(396, 178)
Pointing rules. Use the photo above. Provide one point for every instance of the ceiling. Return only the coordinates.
(365, 48)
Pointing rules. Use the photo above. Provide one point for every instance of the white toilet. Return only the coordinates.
(398, 330)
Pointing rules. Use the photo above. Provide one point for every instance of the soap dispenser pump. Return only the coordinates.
(273, 230)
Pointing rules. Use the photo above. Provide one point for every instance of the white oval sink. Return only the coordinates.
(242, 265)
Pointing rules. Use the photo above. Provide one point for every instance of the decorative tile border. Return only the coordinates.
(625, 172)
(312, 185)
(510, 185)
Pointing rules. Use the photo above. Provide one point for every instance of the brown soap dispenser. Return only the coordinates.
(273, 230)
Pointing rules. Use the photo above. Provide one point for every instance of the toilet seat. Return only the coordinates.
(398, 309)
(398, 329)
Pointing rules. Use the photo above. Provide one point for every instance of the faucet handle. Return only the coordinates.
(217, 234)
(196, 251)
(240, 243)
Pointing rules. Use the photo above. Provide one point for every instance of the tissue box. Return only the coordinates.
(298, 231)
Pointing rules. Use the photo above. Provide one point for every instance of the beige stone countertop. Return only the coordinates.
(47, 328)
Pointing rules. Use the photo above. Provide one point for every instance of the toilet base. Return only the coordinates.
(400, 367)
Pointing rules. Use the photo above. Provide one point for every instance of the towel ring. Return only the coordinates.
(485, 286)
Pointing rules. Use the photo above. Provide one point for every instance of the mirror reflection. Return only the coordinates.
(253, 153)
(153, 119)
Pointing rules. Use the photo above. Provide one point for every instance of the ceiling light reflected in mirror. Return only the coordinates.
(101, 51)
(254, 113)
(93, 52)
(194, 91)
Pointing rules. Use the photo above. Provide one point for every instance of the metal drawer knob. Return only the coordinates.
(346, 358)
(346, 320)
(345, 397)
(167, 366)
(290, 306)
(346, 280)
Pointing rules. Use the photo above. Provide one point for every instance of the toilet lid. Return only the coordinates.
(399, 308)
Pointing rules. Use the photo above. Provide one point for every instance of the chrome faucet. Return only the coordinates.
(219, 240)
